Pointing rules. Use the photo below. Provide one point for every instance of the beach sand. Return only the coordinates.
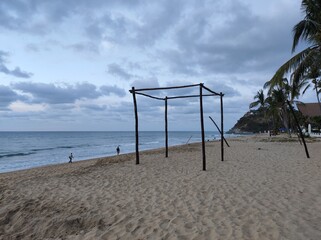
(263, 190)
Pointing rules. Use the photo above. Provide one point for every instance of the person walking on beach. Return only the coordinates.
(70, 158)
(118, 150)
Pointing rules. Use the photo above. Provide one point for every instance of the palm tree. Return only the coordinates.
(308, 60)
(279, 97)
(273, 110)
(279, 94)
(260, 100)
(314, 75)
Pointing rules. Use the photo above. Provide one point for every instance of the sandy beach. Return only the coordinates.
(265, 189)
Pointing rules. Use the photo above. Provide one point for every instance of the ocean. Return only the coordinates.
(24, 150)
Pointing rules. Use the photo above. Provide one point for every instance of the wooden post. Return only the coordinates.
(222, 128)
(136, 125)
(202, 127)
(219, 130)
(298, 126)
(166, 129)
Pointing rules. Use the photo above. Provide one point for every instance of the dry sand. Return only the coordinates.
(263, 190)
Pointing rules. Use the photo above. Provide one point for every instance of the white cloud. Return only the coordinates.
(25, 107)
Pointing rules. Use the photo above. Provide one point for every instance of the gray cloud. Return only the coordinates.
(117, 70)
(52, 94)
(42, 13)
(94, 107)
(110, 27)
(65, 94)
(7, 96)
(205, 36)
(107, 90)
(199, 39)
(158, 21)
(83, 46)
(152, 22)
(234, 41)
(179, 91)
(220, 86)
(146, 83)
(17, 72)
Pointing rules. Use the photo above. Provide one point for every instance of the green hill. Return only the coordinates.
(252, 122)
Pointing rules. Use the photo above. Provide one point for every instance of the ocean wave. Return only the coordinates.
(34, 151)
(16, 154)
(59, 147)
(149, 143)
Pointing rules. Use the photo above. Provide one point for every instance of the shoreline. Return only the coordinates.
(277, 138)
(110, 156)
(110, 159)
(263, 190)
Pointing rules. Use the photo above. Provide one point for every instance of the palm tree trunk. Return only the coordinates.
(285, 119)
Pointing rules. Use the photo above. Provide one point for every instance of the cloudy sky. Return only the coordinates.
(68, 64)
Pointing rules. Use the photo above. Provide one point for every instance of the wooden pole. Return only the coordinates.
(166, 129)
(299, 139)
(298, 126)
(219, 130)
(136, 125)
(165, 88)
(222, 128)
(202, 127)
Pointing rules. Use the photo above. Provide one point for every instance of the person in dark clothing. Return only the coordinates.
(70, 158)
(118, 150)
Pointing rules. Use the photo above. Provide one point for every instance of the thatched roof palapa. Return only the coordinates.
(309, 109)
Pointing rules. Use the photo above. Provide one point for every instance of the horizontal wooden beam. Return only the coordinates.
(210, 91)
(146, 95)
(190, 96)
(164, 88)
(139, 92)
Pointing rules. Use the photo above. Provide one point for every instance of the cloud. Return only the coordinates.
(20, 106)
(107, 90)
(117, 70)
(223, 87)
(148, 24)
(17, 72)
(43, 13)
(146, 83)
(94, 107)
(193, 37)
(83, 46)
(233, 46)
(8, 96)
(140, 22)
(157, 21)
(65, 93)
(229, 39)
(54, 94)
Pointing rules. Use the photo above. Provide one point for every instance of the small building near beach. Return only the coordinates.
(309, 109)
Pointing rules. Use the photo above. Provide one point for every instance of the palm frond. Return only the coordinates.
(310, 26)
(287, 67)
(308, 67)
(254, 104)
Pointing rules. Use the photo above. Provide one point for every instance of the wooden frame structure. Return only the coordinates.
(201, 86)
